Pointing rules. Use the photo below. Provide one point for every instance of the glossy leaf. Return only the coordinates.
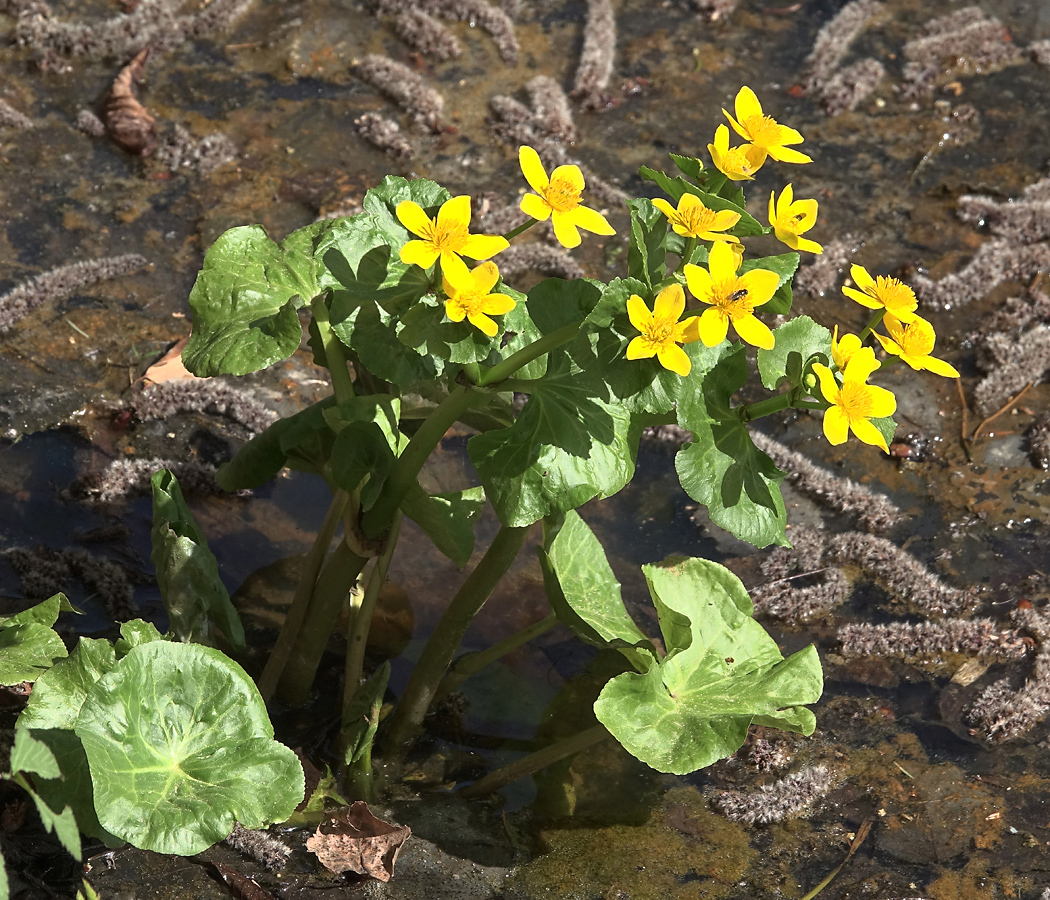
(798, 342)
(646, 250)
(187, 571)
(244, 303)
(60, 692)
(28, 644)
(721, 672)
(30, 756)
(721, 467)
(676, 187)
(361, 716)
(555, 302)
(785, 266)
(448, 519)
(585, 594)
(887, 428)
(175, 774)
(382, 200)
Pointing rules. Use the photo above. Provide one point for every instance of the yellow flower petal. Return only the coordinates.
(590, 220)
(699, 282)
(836, 426)
(862, 298)
(883, 403)
(808, 245)
(420, 253)
(498, 304)
(753, 331)
(866, 432)
(640, 348)
(639, 314)
(828, 386)
(860, 366)
(483, 323)
(411, 215)
(713, 326)
(532, 169)
(940, 367)
(746, 104)
(669, 303)
(888, 344)
(666, 207)
(454, 213)
(565, 229)
(570, 175)
(457, 278)
(454, 311)
(484, 277)
(861, 277)
(535, 207)
(787, 154)
(674, 358)
(721, 263)
(760, 284)
(483, 246)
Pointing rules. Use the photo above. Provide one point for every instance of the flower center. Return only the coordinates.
(562, 195)
(731, 298)
(450, 237)
(892, 294)
(855, 401)
(735, 160)
(661, 333)
(697, 219)
(471, 302)
(763, 130)
(915, 342)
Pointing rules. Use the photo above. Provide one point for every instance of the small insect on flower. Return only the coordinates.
(446, 236)
(733, 298)
(470, 294)
(791, 218)
(856, 403)
(661, 332)
(693, 219)
(882, 293)
(913, 342)
(558, 198)
(739, 163)
(764, 131)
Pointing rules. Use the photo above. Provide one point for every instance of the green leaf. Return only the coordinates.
(304, 436)
(887, 428)
(32, 756)
(678, 186)
(722, 672)
(689, 166)
(722, 468)
(555, 302)
(175, 774)
(27, 651)
(362, 715)
(5, 887)
(646, 250)
(187, 571)
(518, 332)
(244, 304)
(448, 519)
(798, 342)
(585, 594)
(44, 613)
(134, 633)
(64, 824)
(425, 329)
(382, 200)
(367, 269)
(784, 266)
(60, 692)
(361, 451)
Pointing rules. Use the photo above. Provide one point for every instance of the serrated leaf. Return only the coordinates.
(585, 595)
(382, 200)
(518, 332)
(187, 571)
(60, 692)
(176, 774)
(426, 330)
(44, 613)
(244, 303)
(134, 633)
(784, 266)
(448, 519)
(32, 756)
(27, 651)
(797, 342)
(676, 187)
(646, 250)
(722, 671)
(364, 267)
(721, 467)
(361, 716)
(689, 166)
(887, 428)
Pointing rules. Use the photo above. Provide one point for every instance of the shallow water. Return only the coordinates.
(954, 817)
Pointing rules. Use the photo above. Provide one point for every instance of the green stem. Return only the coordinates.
(535, 761)
(875, 319)
(514, 232)
(470, 664)
(333, 585)
(764, 407)
(403, 475)
(357, 639)
(525, 355)
(447, 636)
(342, 386)
(687, 254)
(293, 620)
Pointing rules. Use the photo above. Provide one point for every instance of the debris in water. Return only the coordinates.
(1028, 361)
(91, 124)
(406, 88)
(833, 43)
(822, 275)
(127, 120)
(785, 595)
(60, 283)
(351, 839)
(550, 109)
(12, 118)
(975, 637)
(425, 34)
(385, 134)
(180, 150)
(261, 846)
(44, 572)
(784, 799)
(124, 478)
(1039, 443)
(849, 86)
(596, 58)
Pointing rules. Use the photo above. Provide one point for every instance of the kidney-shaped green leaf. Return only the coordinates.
(181, 748)
(695, 706)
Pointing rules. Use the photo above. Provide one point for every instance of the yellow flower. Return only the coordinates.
(559, 199)
(764, 131)
(446, 236)
(913, 343)
(738, 164)
(733, 298)
(790, 218)
(661, 332)
(694, 220)
(856, 402)
(882, 293)
(470, 294)
(842, 351)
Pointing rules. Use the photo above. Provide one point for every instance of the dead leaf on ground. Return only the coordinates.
(127, 120)
(351, 839)
(169, 367)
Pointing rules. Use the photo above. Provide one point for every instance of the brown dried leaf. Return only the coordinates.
(353, 840)
(241, 887)
(169, 367)
(127, 120)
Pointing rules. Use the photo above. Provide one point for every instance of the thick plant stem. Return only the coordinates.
(403, 475)
(293, 621)
(765, 407)
(332, 587)
(527, 354)
(470, 664)
(687, 253)
(443, 643)
(357, 639)
(536, 761)
(342, 386)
